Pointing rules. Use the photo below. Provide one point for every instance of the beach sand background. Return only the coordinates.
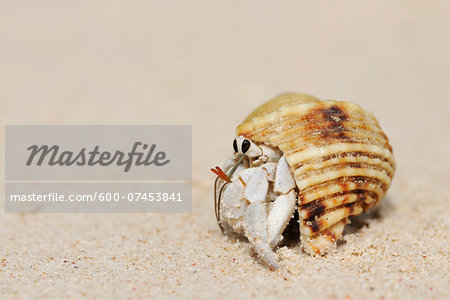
(209, 63)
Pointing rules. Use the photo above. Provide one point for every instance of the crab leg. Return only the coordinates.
(282, 211)
(284, 205)
(256, 232)
(255, 219)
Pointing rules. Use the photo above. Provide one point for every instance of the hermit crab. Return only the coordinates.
(327, 160)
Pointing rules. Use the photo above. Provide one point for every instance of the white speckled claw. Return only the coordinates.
(282, 211)
(256, 232)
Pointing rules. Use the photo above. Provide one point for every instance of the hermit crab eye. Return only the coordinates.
(245, 146)
(235, 146)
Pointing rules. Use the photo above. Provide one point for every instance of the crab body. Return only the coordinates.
(259, 202)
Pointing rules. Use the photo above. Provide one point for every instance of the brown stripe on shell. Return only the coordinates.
(346, 156)
(341, 185)
(317, 224)
(307, 123)
(312, 153)
(355, 165)
(319, 206)
(312, 169)
(321, 243)
(325, 136)
(320, 133)
(322, 120)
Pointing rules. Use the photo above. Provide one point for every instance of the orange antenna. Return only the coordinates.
(218, 171)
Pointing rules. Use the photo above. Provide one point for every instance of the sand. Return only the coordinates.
(209, 64)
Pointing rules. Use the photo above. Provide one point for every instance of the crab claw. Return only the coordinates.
(255, 226)
(282, 211)
(255, 219)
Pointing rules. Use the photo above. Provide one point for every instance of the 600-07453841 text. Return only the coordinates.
(97, 196)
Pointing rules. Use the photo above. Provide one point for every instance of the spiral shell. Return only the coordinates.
(339, 156)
